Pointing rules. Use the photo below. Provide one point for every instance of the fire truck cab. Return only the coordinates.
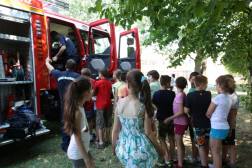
(25, 43)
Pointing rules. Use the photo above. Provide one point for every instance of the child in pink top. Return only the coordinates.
(180, 119)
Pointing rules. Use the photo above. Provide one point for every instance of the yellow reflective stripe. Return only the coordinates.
(13, 4)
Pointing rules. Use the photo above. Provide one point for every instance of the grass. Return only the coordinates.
(47, 153)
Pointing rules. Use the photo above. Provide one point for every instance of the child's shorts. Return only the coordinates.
(80, 162)
(180, 129)
(89, 113)
(230, 140)
(201, 136)
(219, 133)
(165, 129)
(103, 118)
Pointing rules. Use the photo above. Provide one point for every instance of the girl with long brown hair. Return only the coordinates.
(75, 122)
(137, 146)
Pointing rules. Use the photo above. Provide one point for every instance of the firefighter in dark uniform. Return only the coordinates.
(67, 48)
(63, 79)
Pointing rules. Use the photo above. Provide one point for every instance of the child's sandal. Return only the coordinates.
(98, 146)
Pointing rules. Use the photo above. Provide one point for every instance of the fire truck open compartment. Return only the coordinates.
(16, 36)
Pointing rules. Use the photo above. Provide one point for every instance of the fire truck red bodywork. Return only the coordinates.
(41, 43)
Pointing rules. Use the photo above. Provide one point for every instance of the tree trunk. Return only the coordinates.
(200, 66)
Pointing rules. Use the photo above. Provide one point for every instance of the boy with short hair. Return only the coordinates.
(89, 105)
(102, 90)
(153, 77)
(195, 153)
(198, 101)
(163, 100)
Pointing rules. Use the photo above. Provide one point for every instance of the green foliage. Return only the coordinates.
(83, 10)
(210, 28)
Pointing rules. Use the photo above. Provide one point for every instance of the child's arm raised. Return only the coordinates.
(149, 133)
(180, 113)
(211, 109)
(115, 131)
(78, 139)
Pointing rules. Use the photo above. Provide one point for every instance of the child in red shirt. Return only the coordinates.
(102, 90)
(89, 105)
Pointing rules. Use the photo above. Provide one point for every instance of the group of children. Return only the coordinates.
(138, 102)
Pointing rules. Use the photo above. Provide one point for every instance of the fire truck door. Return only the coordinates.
(101, 47)
(129, 50)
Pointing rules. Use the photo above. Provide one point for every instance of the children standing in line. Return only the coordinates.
(123, 91)
(180, 119)
(137, 146)
(102, 90)
(199, 101)
(153, 77)
(75, 122)
(218, 112)
(195, 152)
(163, 100)
(117, 77)
(89, 105)
(229, 142)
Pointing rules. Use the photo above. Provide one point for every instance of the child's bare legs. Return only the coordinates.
(100, 133)
(215, 145)
(172, 147)
(164, 145)
(90, 126)
(107, 134)
(203, 151)
(195, 151)
(232, 153)
(180, 149)
(154, 129)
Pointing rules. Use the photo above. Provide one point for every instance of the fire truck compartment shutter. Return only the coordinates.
(13, 15)
(125, 66)
(97, 64)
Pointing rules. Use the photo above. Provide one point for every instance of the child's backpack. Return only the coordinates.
(21, 125)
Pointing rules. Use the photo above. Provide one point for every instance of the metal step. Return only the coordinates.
(39, 132)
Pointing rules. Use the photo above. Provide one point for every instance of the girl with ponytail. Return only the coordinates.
(137, 146)
(218, 113)
(75, 122)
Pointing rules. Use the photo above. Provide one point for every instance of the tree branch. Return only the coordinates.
(191, 57)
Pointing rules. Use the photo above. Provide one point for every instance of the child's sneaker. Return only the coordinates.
(177, 166)
(96, 141)
(210, 166)
(192, 160)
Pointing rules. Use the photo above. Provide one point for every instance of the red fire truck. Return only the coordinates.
(25, 42)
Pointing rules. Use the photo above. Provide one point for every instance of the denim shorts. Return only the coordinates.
(219, 133)
(80, 162)
(89, 113)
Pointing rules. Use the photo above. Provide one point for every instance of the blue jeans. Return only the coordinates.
(65, 137)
